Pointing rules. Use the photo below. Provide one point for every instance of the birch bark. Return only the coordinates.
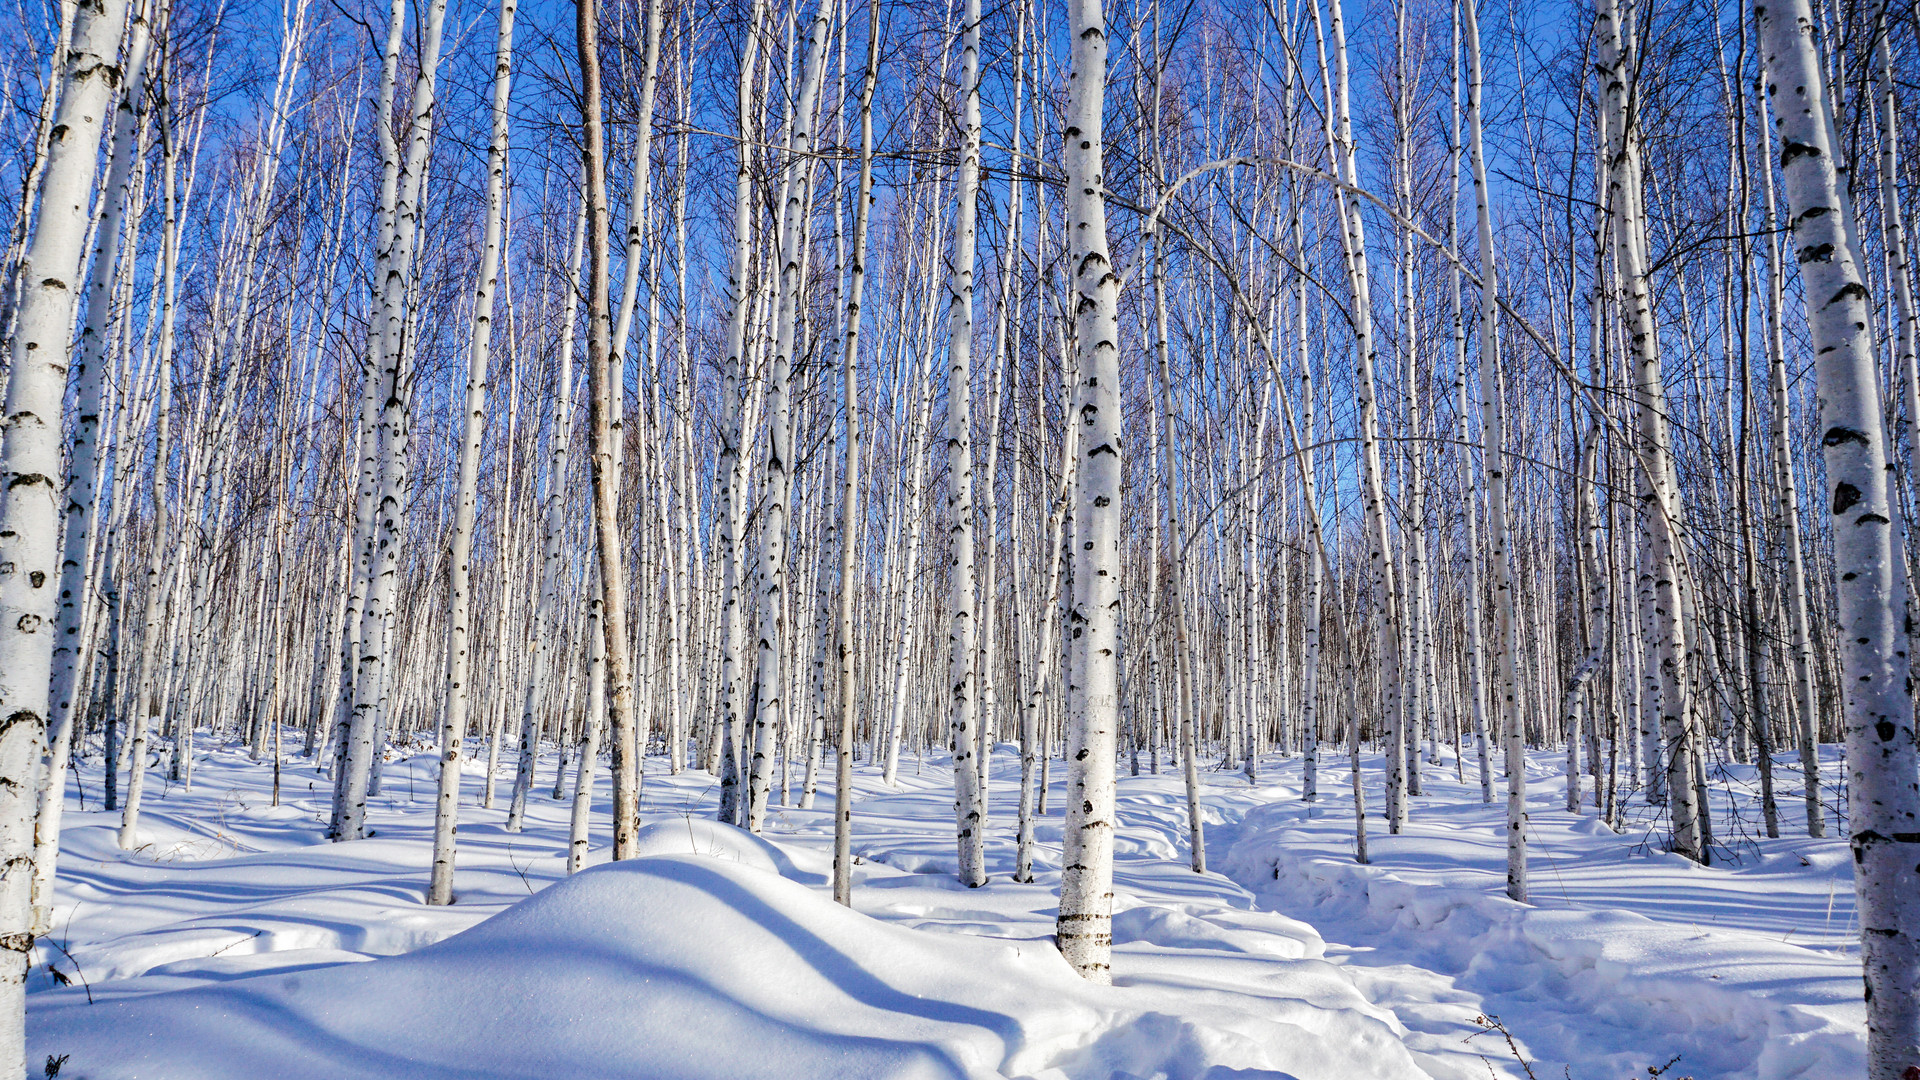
(1174, 574)
(1786, 499)
(1493, 451)
(30, 461)
(83, 465)
(1084, 927)
(453, 724)
(850, 481)
(1664, 588)
(367, 438)
(602, 405)
(732, 430)
(145, 683)
(1380, 565)
(770, 701)
(394, 371)
(1883, 794)
(962, 654)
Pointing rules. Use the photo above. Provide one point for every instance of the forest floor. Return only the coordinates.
(236, 944)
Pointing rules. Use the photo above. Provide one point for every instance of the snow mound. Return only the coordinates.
(704, 836)
(1277, 935)
(684, 966)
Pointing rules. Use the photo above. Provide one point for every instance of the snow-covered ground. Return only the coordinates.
(236, 944)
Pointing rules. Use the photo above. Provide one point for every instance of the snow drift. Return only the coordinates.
(690, 966)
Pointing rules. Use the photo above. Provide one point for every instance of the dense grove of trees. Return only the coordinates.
(751, 386)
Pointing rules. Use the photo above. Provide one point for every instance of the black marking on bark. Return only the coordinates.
(1790, 150)
(19, 716)
(1845, 495)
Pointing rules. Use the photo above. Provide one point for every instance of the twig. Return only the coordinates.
(515, 863)
(1492, 1023)
(231, 944)
(58, 944)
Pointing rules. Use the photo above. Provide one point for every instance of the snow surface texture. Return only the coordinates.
(235, 944)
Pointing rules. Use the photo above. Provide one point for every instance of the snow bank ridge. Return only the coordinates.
(1711, 992)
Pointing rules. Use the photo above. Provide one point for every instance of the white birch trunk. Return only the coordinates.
(1476, 655)
(453, 724)
(770, 702)
(578, 840)
(1373, 487)
(1573, 698)
(1174, 574)
(961, 598)
(1883, 793)
(145, 684)
(1084, 927)
(732, 429)
(603, 397)
(30, 462)
(1316, 558)
(83, 465)
(367, 445)
(1493, 434)
(1664, 589)
(1786, 498)
(370, 719)
(850, 482)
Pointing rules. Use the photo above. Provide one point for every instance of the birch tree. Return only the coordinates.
(1494, 465)
(732, 428)
(30, 510)
(1341, 148)
(1084, 926)
(850, 480)
(81, 513)
(769, 701)
(393, 370)
(1883, 781)
(609, 549)
(968, 798)
(1663, 590)
(453, 726)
